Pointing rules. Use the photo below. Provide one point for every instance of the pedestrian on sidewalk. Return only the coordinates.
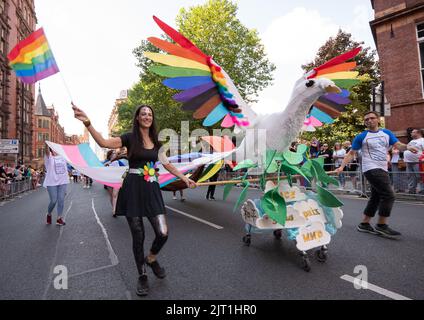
(374, 144)
(112, 161)
(412, 161)
(140, 195)
(56, 181)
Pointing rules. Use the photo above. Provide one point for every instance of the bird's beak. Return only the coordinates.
(333, 89)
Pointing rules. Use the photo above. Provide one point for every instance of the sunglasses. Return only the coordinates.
(372, 118)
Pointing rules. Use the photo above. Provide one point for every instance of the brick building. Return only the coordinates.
(398, 30)
(72, 139)
(17, 21)
(46, 128)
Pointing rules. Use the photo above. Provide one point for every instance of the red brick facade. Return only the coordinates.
(47, 127)
(17, 21)
(395, 34)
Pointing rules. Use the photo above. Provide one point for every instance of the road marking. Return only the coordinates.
(369, 286)
(196, 218)
(90, 271)
(112, 255)
(53, 265)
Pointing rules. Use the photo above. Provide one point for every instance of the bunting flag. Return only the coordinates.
(32, 58)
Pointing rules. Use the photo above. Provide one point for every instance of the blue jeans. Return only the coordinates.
(413, 169)
(57, 195)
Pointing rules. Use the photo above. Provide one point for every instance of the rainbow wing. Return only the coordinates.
(330, 106)
(206, 88)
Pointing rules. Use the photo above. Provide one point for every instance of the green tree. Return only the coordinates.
(216, 30)
(350, 123)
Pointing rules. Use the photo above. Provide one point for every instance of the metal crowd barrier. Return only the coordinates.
(354, 182)
(10, 190)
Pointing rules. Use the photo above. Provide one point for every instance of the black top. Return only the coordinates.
(136, 162)
(140, 195)
(327, 160)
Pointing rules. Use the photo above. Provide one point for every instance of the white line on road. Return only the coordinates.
(112, 256)
(46, 291)
(366, 285)
(196, 218)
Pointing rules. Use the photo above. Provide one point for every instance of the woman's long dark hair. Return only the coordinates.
(137, 143)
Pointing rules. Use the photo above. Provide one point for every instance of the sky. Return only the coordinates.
(93, 42)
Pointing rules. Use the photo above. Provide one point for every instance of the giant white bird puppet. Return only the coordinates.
(210, 92)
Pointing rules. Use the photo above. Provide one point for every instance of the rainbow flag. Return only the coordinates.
(32, 59)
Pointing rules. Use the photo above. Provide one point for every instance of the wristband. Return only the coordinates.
(87, 123)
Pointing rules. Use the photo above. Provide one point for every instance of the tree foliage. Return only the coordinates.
(216, 30)
(350, 123)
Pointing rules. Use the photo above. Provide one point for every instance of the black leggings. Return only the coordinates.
(138, 234)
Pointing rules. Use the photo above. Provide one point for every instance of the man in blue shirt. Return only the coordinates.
(374, 144)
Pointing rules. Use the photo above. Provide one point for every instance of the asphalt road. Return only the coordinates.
(205, 257)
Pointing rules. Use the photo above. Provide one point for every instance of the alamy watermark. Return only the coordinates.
(250, 143)
(361, 280)
(60, 282)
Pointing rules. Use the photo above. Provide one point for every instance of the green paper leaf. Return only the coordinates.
(275, 206)
(289, 169)
(293, 158)
(321, 175)
(245, 164)
(242, 197)
(272, 168)
(301, 149)
(320, 161)
(326, 198)
(279, 156)
(227, 190)
(306, 169)
(271, 165)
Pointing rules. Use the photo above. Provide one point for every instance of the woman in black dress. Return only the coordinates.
(140, 195)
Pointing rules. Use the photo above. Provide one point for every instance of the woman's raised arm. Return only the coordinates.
(112, 143)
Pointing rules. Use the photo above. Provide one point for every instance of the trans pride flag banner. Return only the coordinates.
(32, 59)
(83, 159)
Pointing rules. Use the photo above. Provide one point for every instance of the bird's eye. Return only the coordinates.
(310, 83)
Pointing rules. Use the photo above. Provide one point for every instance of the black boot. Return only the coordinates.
(157, 269)
(142, 286)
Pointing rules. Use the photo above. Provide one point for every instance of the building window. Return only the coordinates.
(2, 6)
(420, 38)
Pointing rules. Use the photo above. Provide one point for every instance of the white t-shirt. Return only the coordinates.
(374, 147)
(57, 171)
(339, 153)
(395, 158)
(408, 156)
